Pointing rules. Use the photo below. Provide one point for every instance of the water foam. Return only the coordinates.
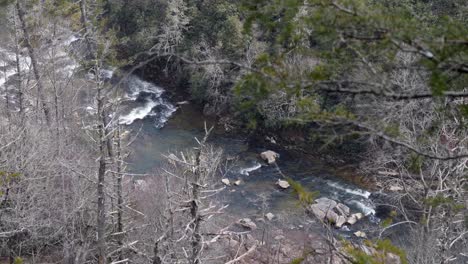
(246, 171)
(154, 105)
(355, 191)
(137, 113)
(365, 209)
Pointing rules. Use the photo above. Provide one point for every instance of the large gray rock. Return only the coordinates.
(343, 209)
(326, 202)
(326, 209)
(283, 184)
(354, 218)
(340, 221)
(226, 181)
(360, 234)
(269, 156)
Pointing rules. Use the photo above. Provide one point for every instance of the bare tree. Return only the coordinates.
(35, 64)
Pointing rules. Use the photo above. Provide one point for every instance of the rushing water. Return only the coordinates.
(257, 192)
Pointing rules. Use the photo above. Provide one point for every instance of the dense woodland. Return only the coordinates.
(386, 77)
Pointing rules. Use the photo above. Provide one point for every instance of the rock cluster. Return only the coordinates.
(328, 210)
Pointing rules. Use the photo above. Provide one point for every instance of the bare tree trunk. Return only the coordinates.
(35, 66)
(84, 24)
(56, 91)
(84, 17)
(101, 217)
(194, 210)
(7, 98)
(19, 78)
(196, 236)
(119, 193)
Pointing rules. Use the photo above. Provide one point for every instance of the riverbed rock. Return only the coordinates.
(326, 203)
(283, 184)
(269, 216)
(352, 220)
(226, 181)
(325, 212)
(247, 223)
(360, 234)
(320, 211)
(342, 209)
(332, 211)
(359, 216)
(340, 221)
(269, 156)
(237, 183)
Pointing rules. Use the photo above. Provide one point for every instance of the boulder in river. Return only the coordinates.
(354, 218)
(360, 234)
(283, 184)
(359, 216)
(247, 223)
(343, 209)
(340, 221)
(269, 156)
(269, 216)
(326, 202)
(326, 209)
(237, 183)
(226, 181)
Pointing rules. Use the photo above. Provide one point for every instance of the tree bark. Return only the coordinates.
(101, 217)
(34, 63)
(84, 23)
(119, 193)
(194, 211)
(19, 78)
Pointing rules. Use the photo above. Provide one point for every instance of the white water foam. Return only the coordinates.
(137, 113)
(246, 171)
(358, 192)
(365, 209)
(153, 106)
(137, 86)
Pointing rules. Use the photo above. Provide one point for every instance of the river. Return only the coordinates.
(170, 129)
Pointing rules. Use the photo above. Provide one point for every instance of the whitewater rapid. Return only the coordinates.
(146, 101)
